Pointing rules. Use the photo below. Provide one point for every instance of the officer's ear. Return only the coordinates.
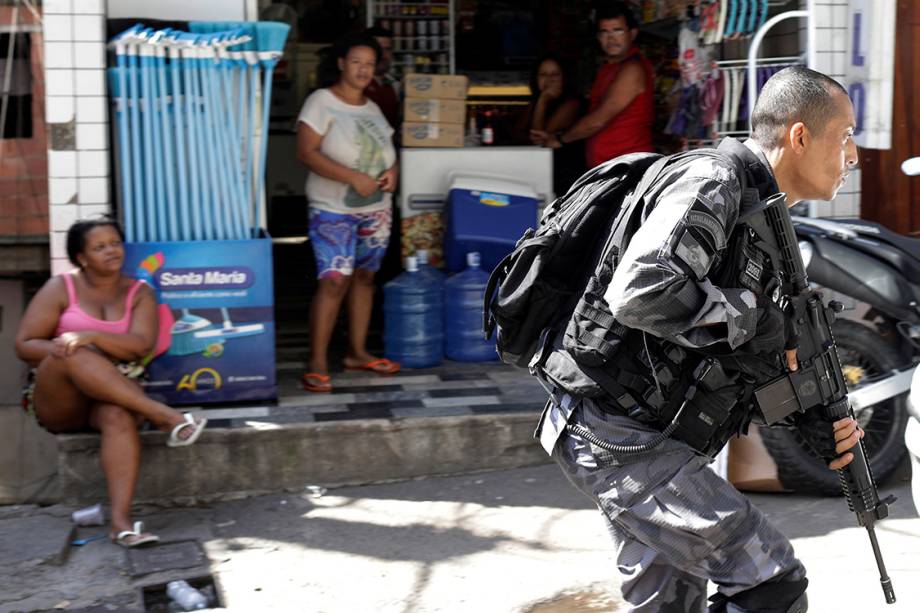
(798, 137)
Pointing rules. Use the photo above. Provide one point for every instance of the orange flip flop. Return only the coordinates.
(316, 382)
(381, 366)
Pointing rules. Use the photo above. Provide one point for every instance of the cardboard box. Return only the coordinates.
(417, 134)
(434, 110)
(445, 86)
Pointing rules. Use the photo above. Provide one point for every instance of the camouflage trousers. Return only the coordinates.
(675, 522)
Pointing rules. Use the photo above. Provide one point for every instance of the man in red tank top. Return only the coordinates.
(621, 110)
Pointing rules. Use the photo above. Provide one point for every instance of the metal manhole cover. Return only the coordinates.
(165, 556)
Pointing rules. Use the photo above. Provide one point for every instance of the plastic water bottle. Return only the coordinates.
(427, 269)
(413, 329)
(186, 596)
(463, 294)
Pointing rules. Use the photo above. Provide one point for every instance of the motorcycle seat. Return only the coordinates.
(901, 252)
(879, 232)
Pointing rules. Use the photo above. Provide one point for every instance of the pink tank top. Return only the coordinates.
(74, 319)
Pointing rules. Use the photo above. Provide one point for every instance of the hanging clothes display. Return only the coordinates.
(711, 98)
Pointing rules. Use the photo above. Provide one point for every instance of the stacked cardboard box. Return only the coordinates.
(434, 111)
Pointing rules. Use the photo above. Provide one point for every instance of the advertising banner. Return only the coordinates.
(870, 69)
(220, 318)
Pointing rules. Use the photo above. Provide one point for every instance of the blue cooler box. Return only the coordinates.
(488, 215)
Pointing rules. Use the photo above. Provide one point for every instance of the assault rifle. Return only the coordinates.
(818, 384)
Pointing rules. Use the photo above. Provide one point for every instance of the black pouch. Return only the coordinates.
(711, 417)
(592, 335)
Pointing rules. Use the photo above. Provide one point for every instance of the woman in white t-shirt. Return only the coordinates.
(347, 143)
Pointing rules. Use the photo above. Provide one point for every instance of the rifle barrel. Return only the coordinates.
(883, 573)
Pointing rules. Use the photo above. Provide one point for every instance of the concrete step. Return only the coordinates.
(449, 420)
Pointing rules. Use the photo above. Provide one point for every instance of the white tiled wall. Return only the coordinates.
(831, 60)
(76, 106)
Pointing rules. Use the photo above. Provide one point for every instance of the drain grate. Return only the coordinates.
(176, 555)
(156, 600)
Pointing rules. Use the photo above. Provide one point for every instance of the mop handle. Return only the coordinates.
(218, 184)
(124, 154)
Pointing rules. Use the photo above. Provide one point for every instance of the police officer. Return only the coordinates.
(684, 288)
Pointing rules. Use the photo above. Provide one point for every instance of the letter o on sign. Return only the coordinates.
(858, 96)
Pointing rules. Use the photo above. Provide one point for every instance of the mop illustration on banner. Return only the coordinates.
(228, 330)
(185, 342)
(176, 336)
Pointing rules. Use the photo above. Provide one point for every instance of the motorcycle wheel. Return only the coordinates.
(864, 355)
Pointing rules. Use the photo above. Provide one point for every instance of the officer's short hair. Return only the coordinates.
(793, 94)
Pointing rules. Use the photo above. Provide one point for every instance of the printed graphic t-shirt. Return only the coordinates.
(356, 136)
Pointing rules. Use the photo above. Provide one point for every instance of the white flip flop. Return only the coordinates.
(140, 537)
(190, 422)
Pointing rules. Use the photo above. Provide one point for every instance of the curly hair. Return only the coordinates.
(76, 234)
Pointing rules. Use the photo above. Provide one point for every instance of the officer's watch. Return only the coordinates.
(558, 136)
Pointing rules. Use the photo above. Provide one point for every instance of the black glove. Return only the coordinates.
(761, 358)
(770, 336)
(818, 433)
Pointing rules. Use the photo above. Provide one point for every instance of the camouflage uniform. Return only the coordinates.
(676, 524)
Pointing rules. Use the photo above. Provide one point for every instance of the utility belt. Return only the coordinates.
(708, 412)
(660, 385)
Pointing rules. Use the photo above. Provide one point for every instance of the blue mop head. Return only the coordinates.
(271, 35)
(248, 28)
(128, 35)
(204, 27)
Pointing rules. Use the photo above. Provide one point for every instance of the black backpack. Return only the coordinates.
(540, 281)
(545, 298)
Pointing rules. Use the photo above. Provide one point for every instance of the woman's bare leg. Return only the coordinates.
(120, 456)
(360, 303)
(65, 388)
(324, 311)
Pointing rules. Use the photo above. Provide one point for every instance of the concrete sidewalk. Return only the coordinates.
(454, 418)
(519, 540)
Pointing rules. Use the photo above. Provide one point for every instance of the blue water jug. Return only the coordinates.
(413, 329)
(463, 294)
(427, 269)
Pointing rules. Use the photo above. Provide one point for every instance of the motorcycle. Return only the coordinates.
(878, 342)
(911, 167)
(912, 438)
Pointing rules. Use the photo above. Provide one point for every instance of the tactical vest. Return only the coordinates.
(653, 374)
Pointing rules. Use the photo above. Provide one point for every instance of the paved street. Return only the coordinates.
(511, 541)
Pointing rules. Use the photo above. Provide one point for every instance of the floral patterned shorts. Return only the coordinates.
(343, 242)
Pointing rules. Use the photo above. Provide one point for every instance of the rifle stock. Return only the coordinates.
(819, 383)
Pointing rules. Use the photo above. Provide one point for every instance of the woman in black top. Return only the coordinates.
(554, 106)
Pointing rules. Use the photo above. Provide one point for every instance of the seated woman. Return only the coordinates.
(554, 107)
(84, 334)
